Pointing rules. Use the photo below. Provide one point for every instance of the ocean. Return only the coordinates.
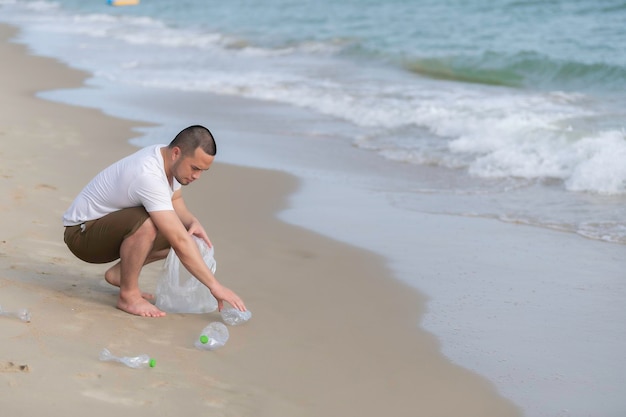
(505, 111)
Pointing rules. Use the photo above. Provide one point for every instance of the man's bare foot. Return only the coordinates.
(138, 306)
(113, 277)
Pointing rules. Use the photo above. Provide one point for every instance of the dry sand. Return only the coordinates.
(332, 332)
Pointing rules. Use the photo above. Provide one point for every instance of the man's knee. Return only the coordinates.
(147, 228)
(147, 231)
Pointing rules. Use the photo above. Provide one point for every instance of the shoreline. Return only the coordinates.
(309, 349)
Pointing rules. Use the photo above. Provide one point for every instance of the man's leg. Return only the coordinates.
(114, 274)
(135, 252)
(128, 235)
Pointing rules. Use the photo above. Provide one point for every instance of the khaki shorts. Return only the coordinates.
(99, 241)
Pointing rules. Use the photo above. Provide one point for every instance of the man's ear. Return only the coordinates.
(176, 153)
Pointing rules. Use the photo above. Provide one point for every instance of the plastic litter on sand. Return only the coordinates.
(141, 361)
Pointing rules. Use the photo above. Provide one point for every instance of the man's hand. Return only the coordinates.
(222, 294)
(196, 229)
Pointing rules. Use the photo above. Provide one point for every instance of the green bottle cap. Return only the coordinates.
(152, 363)
(204, 339)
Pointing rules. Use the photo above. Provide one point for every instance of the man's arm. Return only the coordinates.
(172, 227)
(191, 223)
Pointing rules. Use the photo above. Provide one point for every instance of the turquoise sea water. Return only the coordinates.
(506, 109)
(510, 95)
(563, 45)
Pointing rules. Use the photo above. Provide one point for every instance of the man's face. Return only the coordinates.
(188, 169)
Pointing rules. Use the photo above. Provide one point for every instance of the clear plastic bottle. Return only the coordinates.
(234, 317)
(141, 361)
(213, 336)
(22, 314)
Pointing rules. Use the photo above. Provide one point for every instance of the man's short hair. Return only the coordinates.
(192, 137)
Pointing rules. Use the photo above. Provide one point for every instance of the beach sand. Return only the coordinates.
(332, 332)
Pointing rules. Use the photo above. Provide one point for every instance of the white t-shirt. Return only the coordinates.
(137, 180)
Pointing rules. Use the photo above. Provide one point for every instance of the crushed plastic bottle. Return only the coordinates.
(22, 314)
(213, 336)
(234, 317)
(141, 361)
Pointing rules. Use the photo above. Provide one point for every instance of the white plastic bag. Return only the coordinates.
(180, 292)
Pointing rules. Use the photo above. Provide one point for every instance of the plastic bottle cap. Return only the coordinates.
(204, 339)
(152, 363)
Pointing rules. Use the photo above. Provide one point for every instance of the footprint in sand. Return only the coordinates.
(11, 367)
